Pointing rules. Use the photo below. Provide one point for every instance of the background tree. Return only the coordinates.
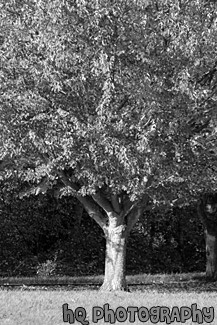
(207, 210)
(108, 101)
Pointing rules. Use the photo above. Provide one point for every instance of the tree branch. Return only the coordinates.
(139, 204)
(115, 203)
(103, 203)
(134, 216)
(90, 206)
(94, 211)
(128, 207)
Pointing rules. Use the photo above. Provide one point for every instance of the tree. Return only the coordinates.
(103, 100)
(207, 210)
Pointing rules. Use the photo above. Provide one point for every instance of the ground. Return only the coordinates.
(43, 302)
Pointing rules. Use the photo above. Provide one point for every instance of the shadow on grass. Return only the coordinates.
(188, 282)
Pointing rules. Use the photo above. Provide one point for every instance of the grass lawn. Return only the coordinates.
(36, 305)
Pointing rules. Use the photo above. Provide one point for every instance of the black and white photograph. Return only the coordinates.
(108, 162)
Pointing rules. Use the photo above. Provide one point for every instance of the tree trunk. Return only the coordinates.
(211, 254)
(115, 260)
(207, 210)
(118, 219)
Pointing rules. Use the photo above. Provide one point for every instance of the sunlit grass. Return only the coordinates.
(45, 307)
(32, 304)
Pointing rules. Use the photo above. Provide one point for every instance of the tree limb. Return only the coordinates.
(139, 204)
(128, 206)
(134, 216)
(90, 206)
(103, 203)
(115, 203)
(94, 211)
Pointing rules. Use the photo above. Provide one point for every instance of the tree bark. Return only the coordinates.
(207, 210)
(211, 254)
(115, 260)
(117, 234)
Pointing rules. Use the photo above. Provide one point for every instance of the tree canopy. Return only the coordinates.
(119, 95)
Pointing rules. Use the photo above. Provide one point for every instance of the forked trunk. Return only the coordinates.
(115, 261)
(121, 215)
(211, 255)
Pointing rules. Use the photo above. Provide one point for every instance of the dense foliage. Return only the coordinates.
(40, 235)
(122, 93)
